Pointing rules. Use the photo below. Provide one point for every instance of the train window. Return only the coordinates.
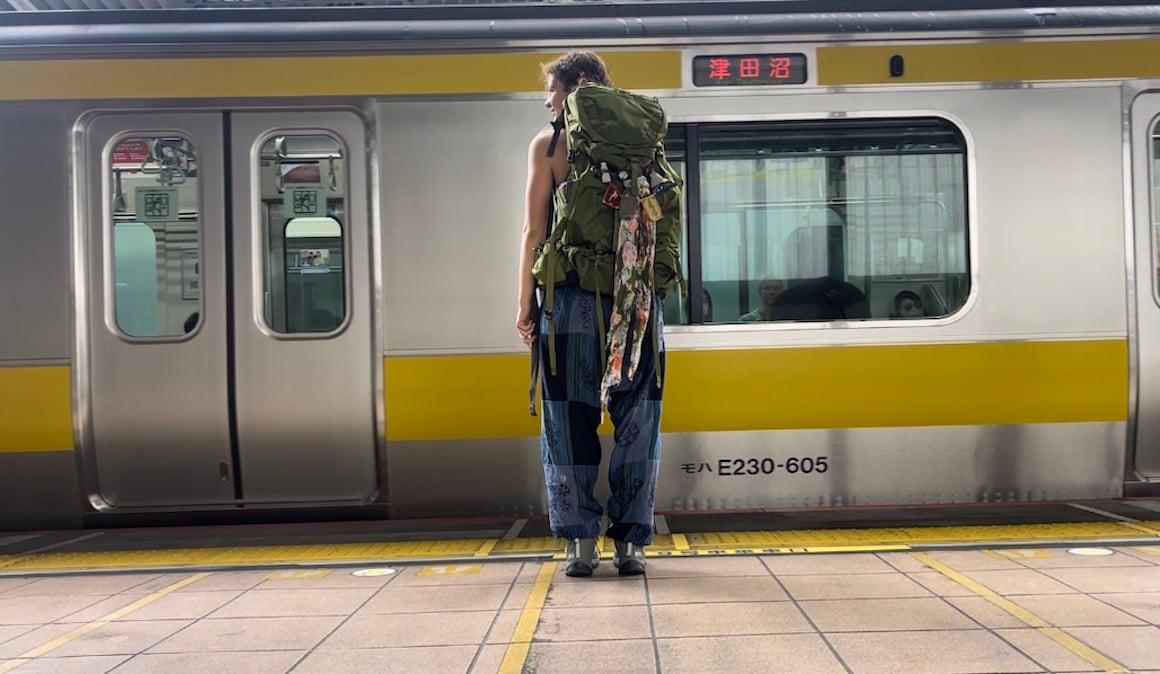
(156, 236)
(831, 220)
(303, 204)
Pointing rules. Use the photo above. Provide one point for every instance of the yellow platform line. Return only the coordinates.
(1045, 628)
(675, 545)
(517, 650)
(1144, 528)
(531, 544)
(911, 536)
(56, 643)
(187, 557)
(486, 548)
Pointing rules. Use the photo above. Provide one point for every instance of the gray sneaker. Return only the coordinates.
(629, 558)
(582, 557)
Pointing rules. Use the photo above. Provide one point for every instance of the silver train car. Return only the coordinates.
(262, 262)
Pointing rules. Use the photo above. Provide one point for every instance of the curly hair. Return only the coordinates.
(574, 66)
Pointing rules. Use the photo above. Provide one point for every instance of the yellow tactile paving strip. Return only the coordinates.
(922, 535)
(233, 556)
(694, 544)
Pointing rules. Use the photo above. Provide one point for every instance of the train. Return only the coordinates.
(260, 259)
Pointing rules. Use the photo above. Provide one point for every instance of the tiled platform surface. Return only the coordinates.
(1012, 610)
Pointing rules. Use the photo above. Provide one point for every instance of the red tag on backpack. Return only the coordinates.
(611, 197)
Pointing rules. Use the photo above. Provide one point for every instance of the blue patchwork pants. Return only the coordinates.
(569, 444)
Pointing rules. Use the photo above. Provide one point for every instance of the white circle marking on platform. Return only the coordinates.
(1091, 552)
(373, 572)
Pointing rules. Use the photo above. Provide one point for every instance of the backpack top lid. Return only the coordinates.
(603, 120)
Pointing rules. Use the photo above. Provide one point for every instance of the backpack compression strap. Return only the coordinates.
(536, 340)
(539, 310)
(557, 126)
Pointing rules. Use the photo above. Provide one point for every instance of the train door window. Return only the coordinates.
(832, 220)
(303, 205)
(156, 236)
(1155, 201)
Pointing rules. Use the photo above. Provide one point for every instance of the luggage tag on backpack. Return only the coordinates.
(652, 207)
(611, 197)
(647, 200)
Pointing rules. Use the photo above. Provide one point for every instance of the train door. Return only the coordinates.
(1145, 151)
(225, 309)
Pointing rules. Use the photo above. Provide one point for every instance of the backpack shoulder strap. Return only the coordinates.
(557, 126)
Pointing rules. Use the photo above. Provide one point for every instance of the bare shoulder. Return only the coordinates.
(558, 162)
(541, 141)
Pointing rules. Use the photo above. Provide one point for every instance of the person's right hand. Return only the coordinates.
(525, 326)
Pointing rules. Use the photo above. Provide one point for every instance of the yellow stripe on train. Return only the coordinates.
(475, 397)
(248, 77)
(35, 409)
(991, 62)
(515, 72)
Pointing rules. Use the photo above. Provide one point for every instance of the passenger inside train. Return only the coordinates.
(907, 304)
(823, 298)
(769, 290)
(706, 306)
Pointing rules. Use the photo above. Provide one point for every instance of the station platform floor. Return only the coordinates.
(1065, 587)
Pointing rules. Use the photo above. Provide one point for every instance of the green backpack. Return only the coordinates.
(616, 151)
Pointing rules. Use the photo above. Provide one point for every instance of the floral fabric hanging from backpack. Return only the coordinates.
(632, 294)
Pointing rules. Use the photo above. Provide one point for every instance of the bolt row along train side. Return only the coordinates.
(269, 266)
